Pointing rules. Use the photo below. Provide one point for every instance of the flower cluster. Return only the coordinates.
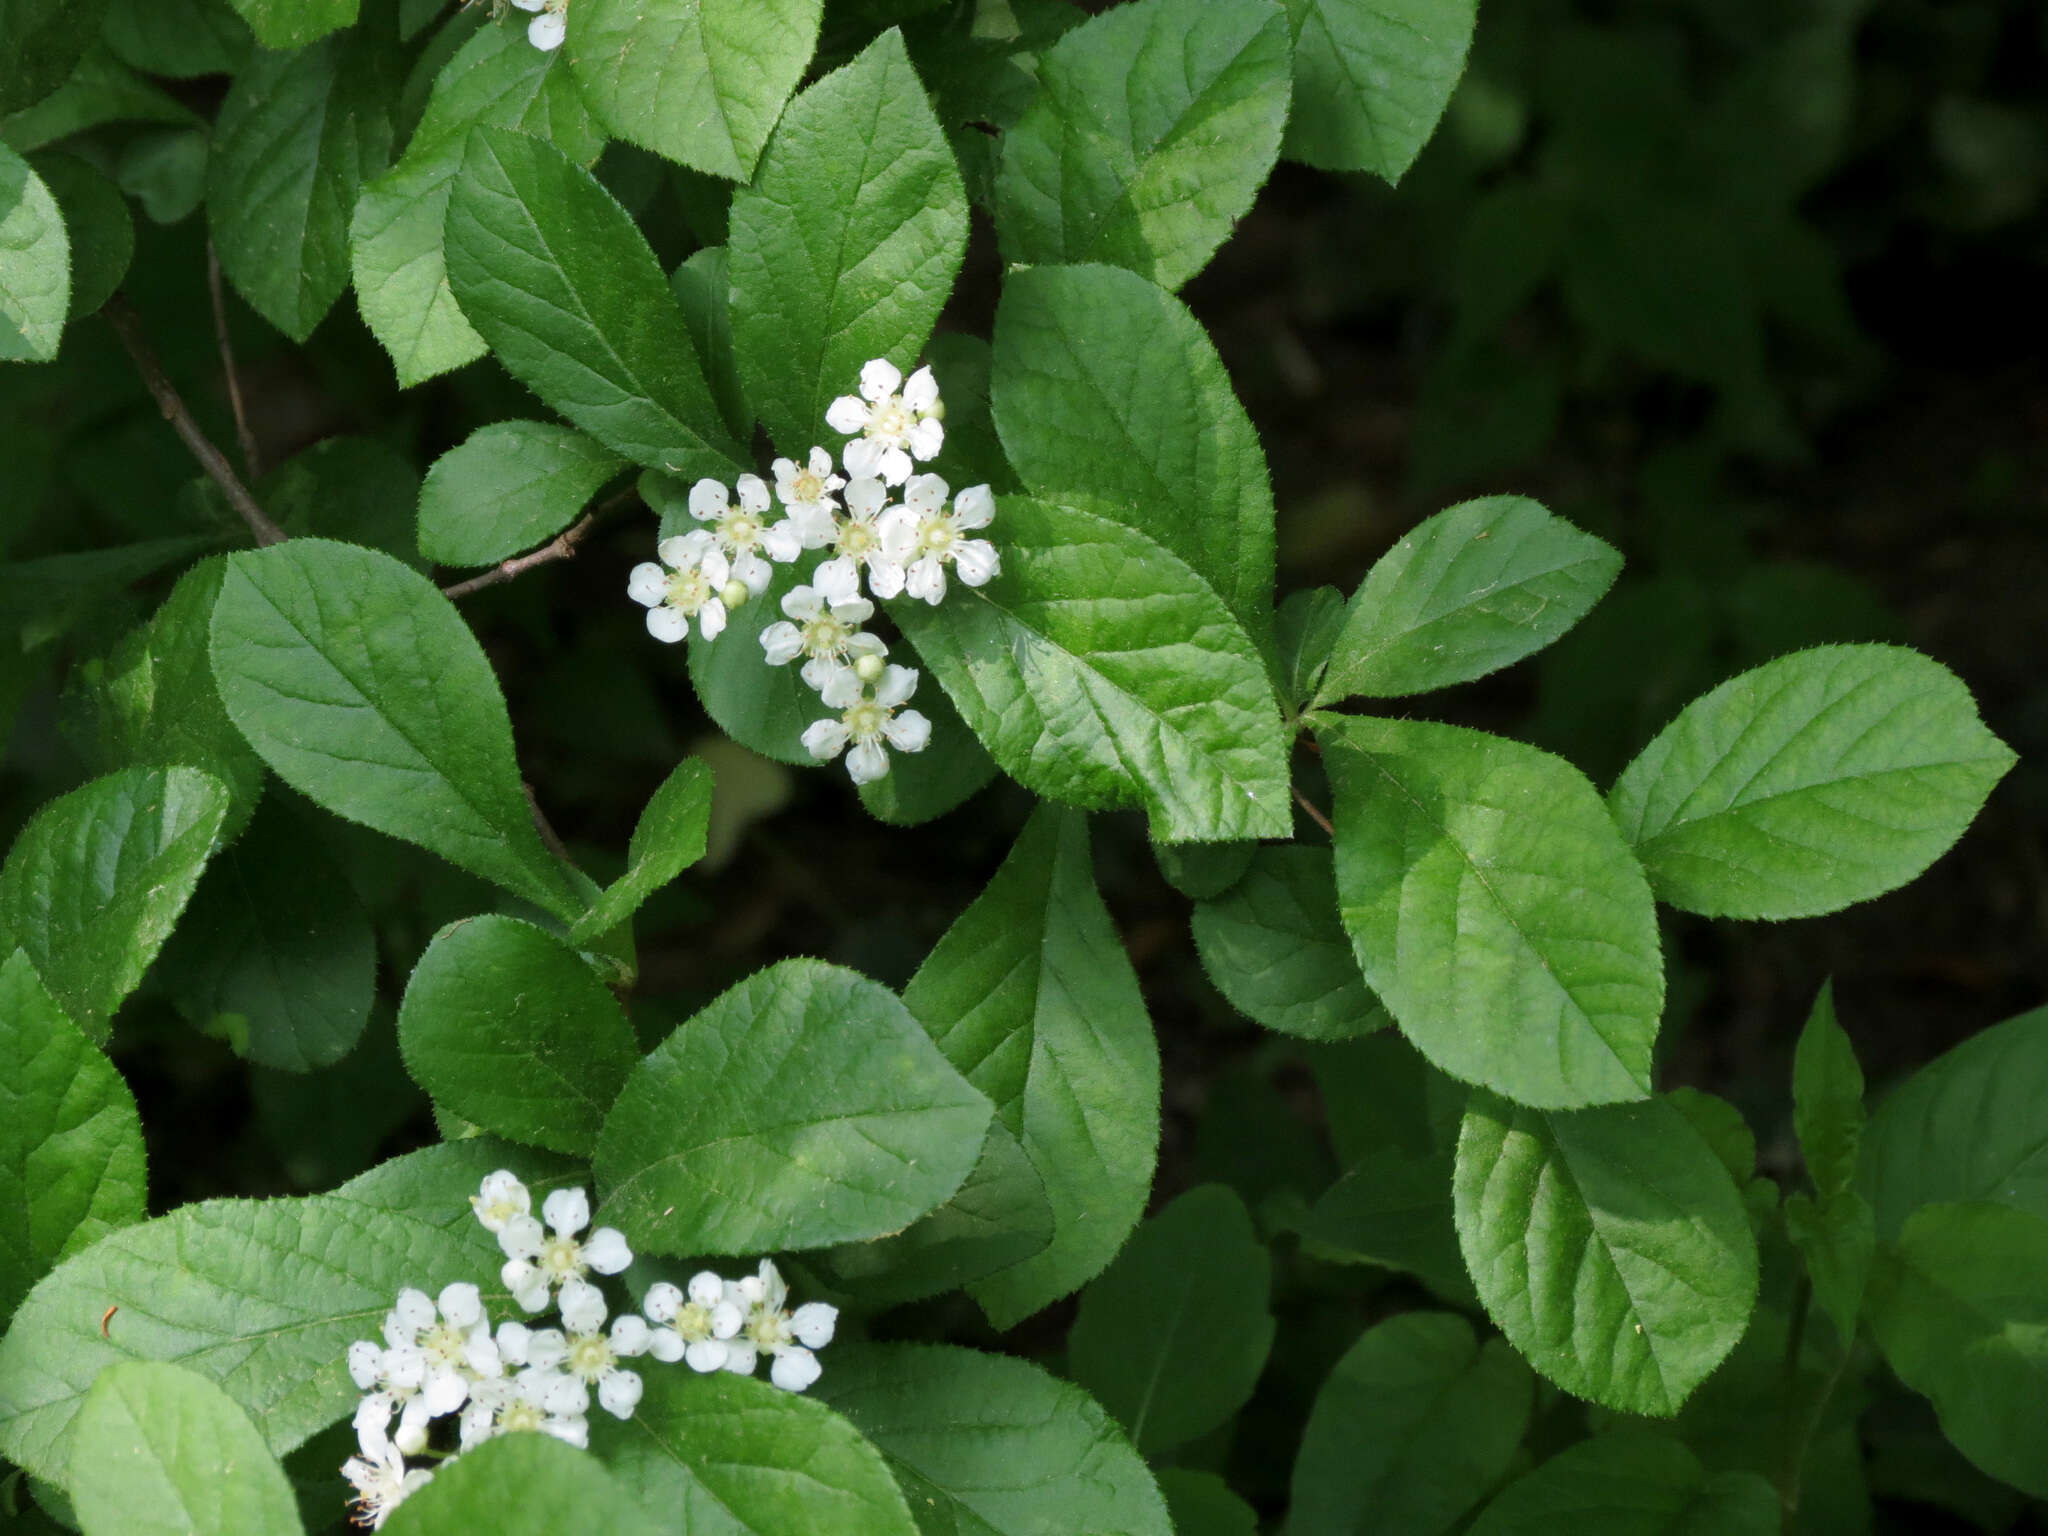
(441, 1359)
(890, 547)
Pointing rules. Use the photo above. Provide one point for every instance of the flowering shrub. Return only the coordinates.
(703, 235)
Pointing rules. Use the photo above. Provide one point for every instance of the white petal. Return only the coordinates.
(817, 672)
(606, 1252)
(530, 5)
(885, 578)
(974, 507)
(837, 582)
(899, 529)
(713, 564)
(864, 494)
(824, 739)
(726, 1320)
(405, 1369)
(571, 1431)
(582, 1306)
(561, 1393)
(880, 379)
(841, 688)
(373, 1424)
(835, 572)
(814, 525)
(794, 1369)
(662, 1302)
(666, 625)
(411, 1436)
(666, 1345)
(513, 1341)
(479, 1423)
(546, 31)
(975, 561)
(567, 1211)
(896, 686)
(521, 1238)
(782, 643)
(784, 471)
(927, 493)
(711, 621)
(821, 462)
(846, 414)
(365, 1364)
(707, 1355)
(708, 499)
(813, 1323)
(865, 644)
(754, 571)
(784, 541)
(648, 584)
(531, 1292)
(896, 466)
(546, 1349)
(706, 1289)
(927, 437)
(630, 1335)
(908, 732)
(481, 1356)
(753, 493)
(618, 1393)
(867, 762)
(740, 1357)
(446, 1391)
(927, 580)
(921, 390)
(864, 462)
(462, 1304)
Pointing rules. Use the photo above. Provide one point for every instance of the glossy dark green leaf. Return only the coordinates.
(668, 838)
(524, 1485)
(1274, 946)
(703, 287)
(510, 486)
(1393, 1208)
(295, 23)
(1630, 1481)
(45, 38)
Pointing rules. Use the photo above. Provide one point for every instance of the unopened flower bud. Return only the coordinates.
(734, 593)
(869, 668)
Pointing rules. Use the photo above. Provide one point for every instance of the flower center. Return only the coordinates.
(687, 592)
(863, 722)
(561, 1257)
(590, 1356)
(521, 1414)
(856, 538)
(740, 530)
(824, 635)
(890, 420)
(937, 536)
(807, 485)
(694, 1323)
(495, 1213)
(442, 1344)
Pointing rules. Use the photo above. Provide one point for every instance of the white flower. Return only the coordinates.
(893, 428)
(379, 1474)
(547, 1401)
(696, 590)
(923, 537)
(788, 1337)
(806, 490)
(501, 1198)
(856, 541)
(743, 531)
(447, 1344)
(697, 1325)
(592, 1356)
(536, 1261)
(867, 720)
(826, 628)
(546, 30)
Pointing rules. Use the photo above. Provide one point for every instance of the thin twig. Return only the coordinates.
(128, 326)
(252, 463)
(562, 547)
(548, 835)
(1314, 814)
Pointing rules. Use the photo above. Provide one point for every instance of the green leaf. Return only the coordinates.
(360, 490)
(1960, 1312)
(45, 39)
(179, 38)
(668, 839)
(1371, 78)
(1031, 995)
(297, 137)
(700, 82)
(922, 786)
(358, 682)
(523, 1485)
(1172, 1336)
(262, 1296)
(152, 703)
(1470, 591)
(506, 1027)
(1970, 1125)
(1827, 1098)
(95, 882)
(162, 1451)
(723, 1453)
(834, 1120)
(1837, 1236)
(1411, 1429)
(98, 225)
(1632, 1483)
(703, 288)
(1820, 779)
(1493, 910)
(1099, 670)
(1108, 393)
(1393, 1208)
(1154, 126)
(845, 246)
(557, 277)
(1273, 946)
(35, 263)
(993, 1445)
(509, 487)
(71, 1159)
(396, 237)
(1201, 1504)
(276, 939)
(295, 23)
(1307, 626)
(1204, 871)
(1610, 1245)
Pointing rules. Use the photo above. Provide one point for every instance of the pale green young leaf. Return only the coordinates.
(703, 288)
(1098, 669)
(95, 882)
(845, 246)
(1154, 126)
(396, 236)
(1392, 1208)
(262, 1296)
(1371, 78)
(834, 1120)
(1172, 1336)
(35, 264)
(1827, 1098)
(360, 685)
(1107, 392)
(1631, 1480)
(1307, 625)
(505, 1026)
(1494, 910)
(668, 838)
(71, 1161)
(557, 277)
(990, 1444)
(728, 1453)
(1823, 778)
(277, 942)
(1417, 1421)
(296, 139)
(295, 23)
(1473, 589)
(700, 82)
(162, 1451)
(524, 1485)
(1031, 994)
(1273, 945)
(1610, 1245)
(1970, 1125)
(1959, 1309)
(509, 487)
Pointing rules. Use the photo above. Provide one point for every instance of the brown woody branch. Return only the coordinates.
(562, 547)
(251, 462)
